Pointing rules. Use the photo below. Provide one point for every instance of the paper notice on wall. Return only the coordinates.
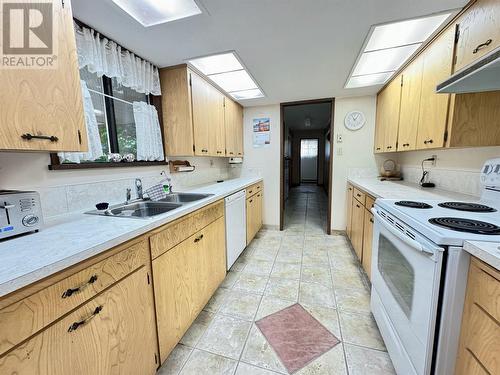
(261, 132)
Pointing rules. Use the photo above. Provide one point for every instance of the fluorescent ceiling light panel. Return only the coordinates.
(386, 60)
(404, 32)
(368, 80)
(225, 62)
(234, 81)
(247, 94)
(154, 12)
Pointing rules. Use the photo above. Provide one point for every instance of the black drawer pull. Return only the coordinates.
(371, 220)
(72, 291)
(389, 147)
(199, 238)
(485, 44)
(406, 145)
(204, 150)
(359, 195)
(358, 206)
(231, 153)
(428, 141)
(29, 137)
(82, 322)
(378, 148)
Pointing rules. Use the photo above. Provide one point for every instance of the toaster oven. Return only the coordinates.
(20, 212)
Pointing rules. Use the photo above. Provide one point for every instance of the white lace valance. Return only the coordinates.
(105, 57)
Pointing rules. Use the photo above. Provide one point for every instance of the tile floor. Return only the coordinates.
(278, 269)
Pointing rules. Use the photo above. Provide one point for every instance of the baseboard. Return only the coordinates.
(270, 227)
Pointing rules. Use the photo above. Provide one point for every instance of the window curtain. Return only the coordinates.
(105, 57)
(93, 137)
(148, 133)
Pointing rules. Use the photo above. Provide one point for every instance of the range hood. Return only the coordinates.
(482, 75)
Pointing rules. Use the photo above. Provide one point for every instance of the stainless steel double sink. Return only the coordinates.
(144, 209)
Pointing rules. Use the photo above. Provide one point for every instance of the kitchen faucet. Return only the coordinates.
(138, 188)
(128, 197)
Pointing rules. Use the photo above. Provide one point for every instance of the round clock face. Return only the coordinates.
(354, 120)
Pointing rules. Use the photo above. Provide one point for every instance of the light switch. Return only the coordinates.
(339, 138)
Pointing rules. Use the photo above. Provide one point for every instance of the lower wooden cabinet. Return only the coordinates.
(185, 277)
(479, 347)
(358, 220)
(114, 333)
(367, 243)
(254, 215)
(350, 191)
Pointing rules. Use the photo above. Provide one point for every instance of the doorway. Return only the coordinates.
(305, 199)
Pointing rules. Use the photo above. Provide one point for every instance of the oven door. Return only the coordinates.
(406, 270)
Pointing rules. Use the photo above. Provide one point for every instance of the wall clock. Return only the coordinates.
(354, 120)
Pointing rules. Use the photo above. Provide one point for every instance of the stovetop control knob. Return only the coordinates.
(30, 220)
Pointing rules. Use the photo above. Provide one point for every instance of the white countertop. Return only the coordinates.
(404, 190)
(488, 252)
(71, 239)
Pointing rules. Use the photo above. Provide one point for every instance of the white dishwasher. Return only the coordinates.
(236, 226)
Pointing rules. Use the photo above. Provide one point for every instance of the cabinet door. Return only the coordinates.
(217, 132)
(238, 130)
(258, 212)
(358, 217)
(203, 114)
(250, 210)
(388, 104)
(233, 119)
(410, 105)
(45, 102)
(350, 192)
(114, 334)
(479, 32)
(367, 243)
(437, 60)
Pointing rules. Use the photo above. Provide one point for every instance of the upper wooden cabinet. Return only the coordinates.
(233, 119)
(197, 118)
(479, 29)
(411, 84)
(45, 102)
(388, 105)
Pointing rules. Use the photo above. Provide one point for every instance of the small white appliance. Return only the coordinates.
(419, 273)
(20, 212)
(236, 226)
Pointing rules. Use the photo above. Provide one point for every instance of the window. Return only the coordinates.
(308, 148)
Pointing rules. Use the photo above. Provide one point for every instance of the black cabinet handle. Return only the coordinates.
(378, 148)
(485, 44)
(428, 141)
(199, 238)
(371, 220)
(82, 322)
(231, 153)
(204, 150)
(406, 145)
(72, 291)
(29, 137)
(389, 147)
(358, 206)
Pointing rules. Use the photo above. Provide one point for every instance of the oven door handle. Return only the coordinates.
(409, 241)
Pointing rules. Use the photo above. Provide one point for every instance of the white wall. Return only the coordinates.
(355, 151)
(264, 161)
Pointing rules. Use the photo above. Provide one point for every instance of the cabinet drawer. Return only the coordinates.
(114, 333)
(254, 189)
(360, 196)
(370, 202)
(174, 233)
(24, 318)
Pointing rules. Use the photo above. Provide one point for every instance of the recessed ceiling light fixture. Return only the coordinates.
(389, 46)
(227, 72)
(153, 12)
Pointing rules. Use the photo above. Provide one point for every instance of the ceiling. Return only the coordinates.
(319, 114)
(295, 49)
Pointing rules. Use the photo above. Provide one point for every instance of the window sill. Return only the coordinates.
(68, 166)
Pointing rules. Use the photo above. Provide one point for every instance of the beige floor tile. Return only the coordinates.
(225, 336)
(259, 267)
(350, 281)
(241, 305)
(360, 329)
(330, 363)
(230, 279)
(269, 305)
(316, 274)
(355, 300)
(217, 300)
(327, 316)
(175, 360)
(246, 369)
(286, 270)
(283, 288)
(363, 361)
(265, 254)
(258, 352)
(197, 329)
(201, 362)
(316, 295)
(251, 283)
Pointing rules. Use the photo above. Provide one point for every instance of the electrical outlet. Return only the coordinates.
(339, 138)
(435, 160)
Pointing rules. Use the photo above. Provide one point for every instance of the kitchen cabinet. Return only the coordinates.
(411, 88)
(479, 346)
(387, 120)
(185, 277)
(233, 120)
(433, 111)
(358, 219)
(254, 210)
(45, 102)
(94, 338)
(350, 192)
(479, 29)
(194, 116)
(367, 242)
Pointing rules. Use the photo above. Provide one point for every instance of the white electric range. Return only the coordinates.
(419, 273)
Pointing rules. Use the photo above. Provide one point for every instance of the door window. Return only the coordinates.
(398, 274)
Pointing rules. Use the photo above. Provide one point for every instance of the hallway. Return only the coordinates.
(306, 210)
